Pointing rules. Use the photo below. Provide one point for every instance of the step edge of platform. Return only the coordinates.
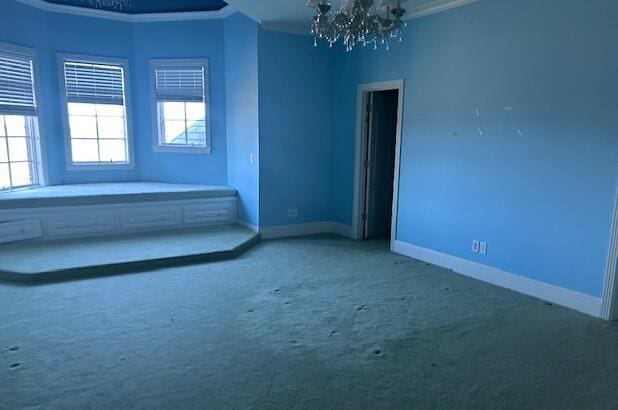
(121, 268)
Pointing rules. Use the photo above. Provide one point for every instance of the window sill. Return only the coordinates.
(182, 150)
(20, 188)
(86, 166)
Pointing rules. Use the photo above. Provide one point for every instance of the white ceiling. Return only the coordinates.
(294, 15)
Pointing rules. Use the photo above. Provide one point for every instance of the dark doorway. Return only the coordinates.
(379, 162)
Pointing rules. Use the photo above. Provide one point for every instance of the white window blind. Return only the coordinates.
(94, 83)
(16, 85)
(180, 83)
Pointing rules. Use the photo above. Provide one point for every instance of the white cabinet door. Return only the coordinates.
(14, 231)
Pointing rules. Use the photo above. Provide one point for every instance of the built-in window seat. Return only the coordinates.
(63, 211)
(109, 193)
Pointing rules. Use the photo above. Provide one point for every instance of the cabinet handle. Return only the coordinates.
(92, 225)
(151, 220)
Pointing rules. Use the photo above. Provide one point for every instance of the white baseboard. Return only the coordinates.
(578, 301)
(247, 225)
(342, 230)
(286, 231)
(435, 6)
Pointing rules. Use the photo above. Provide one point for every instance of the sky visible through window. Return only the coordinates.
(98, 132)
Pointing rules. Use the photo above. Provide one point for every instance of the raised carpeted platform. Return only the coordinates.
(109, 193)
(76, 258)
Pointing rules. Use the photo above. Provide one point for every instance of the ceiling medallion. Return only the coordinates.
(119, 5)
(358, 22)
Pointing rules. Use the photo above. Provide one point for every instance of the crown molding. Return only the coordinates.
(284, 27)
(130, 18)
(432, 7)
(435, 6)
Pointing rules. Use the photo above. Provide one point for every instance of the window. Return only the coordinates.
(20, 159)
(96, 109)
(181, 105)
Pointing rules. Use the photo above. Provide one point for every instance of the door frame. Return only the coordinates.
(609, 307)
(363, 92)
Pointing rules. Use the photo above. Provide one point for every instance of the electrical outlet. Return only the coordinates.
(293, 213)
(483, 248)
(475, 246)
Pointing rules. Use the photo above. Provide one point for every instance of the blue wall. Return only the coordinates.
(542, 200)
(537, 183)
(189, 39)
(296, 89)
(98, 37)
(241, 87)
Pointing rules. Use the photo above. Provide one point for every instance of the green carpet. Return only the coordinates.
(73, 257)
(311, 323)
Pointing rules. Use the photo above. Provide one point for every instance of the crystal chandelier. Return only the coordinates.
(358, 23)
(108, 4)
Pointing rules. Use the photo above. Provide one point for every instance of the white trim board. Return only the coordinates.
(435, 6)
(311, 228)
(130, 18)
(247, 225)
(290, 28)
(578, 301)
(609, 309)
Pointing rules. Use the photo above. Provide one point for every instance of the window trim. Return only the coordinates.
(37, 141)
(96, 166)
(157, 146)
